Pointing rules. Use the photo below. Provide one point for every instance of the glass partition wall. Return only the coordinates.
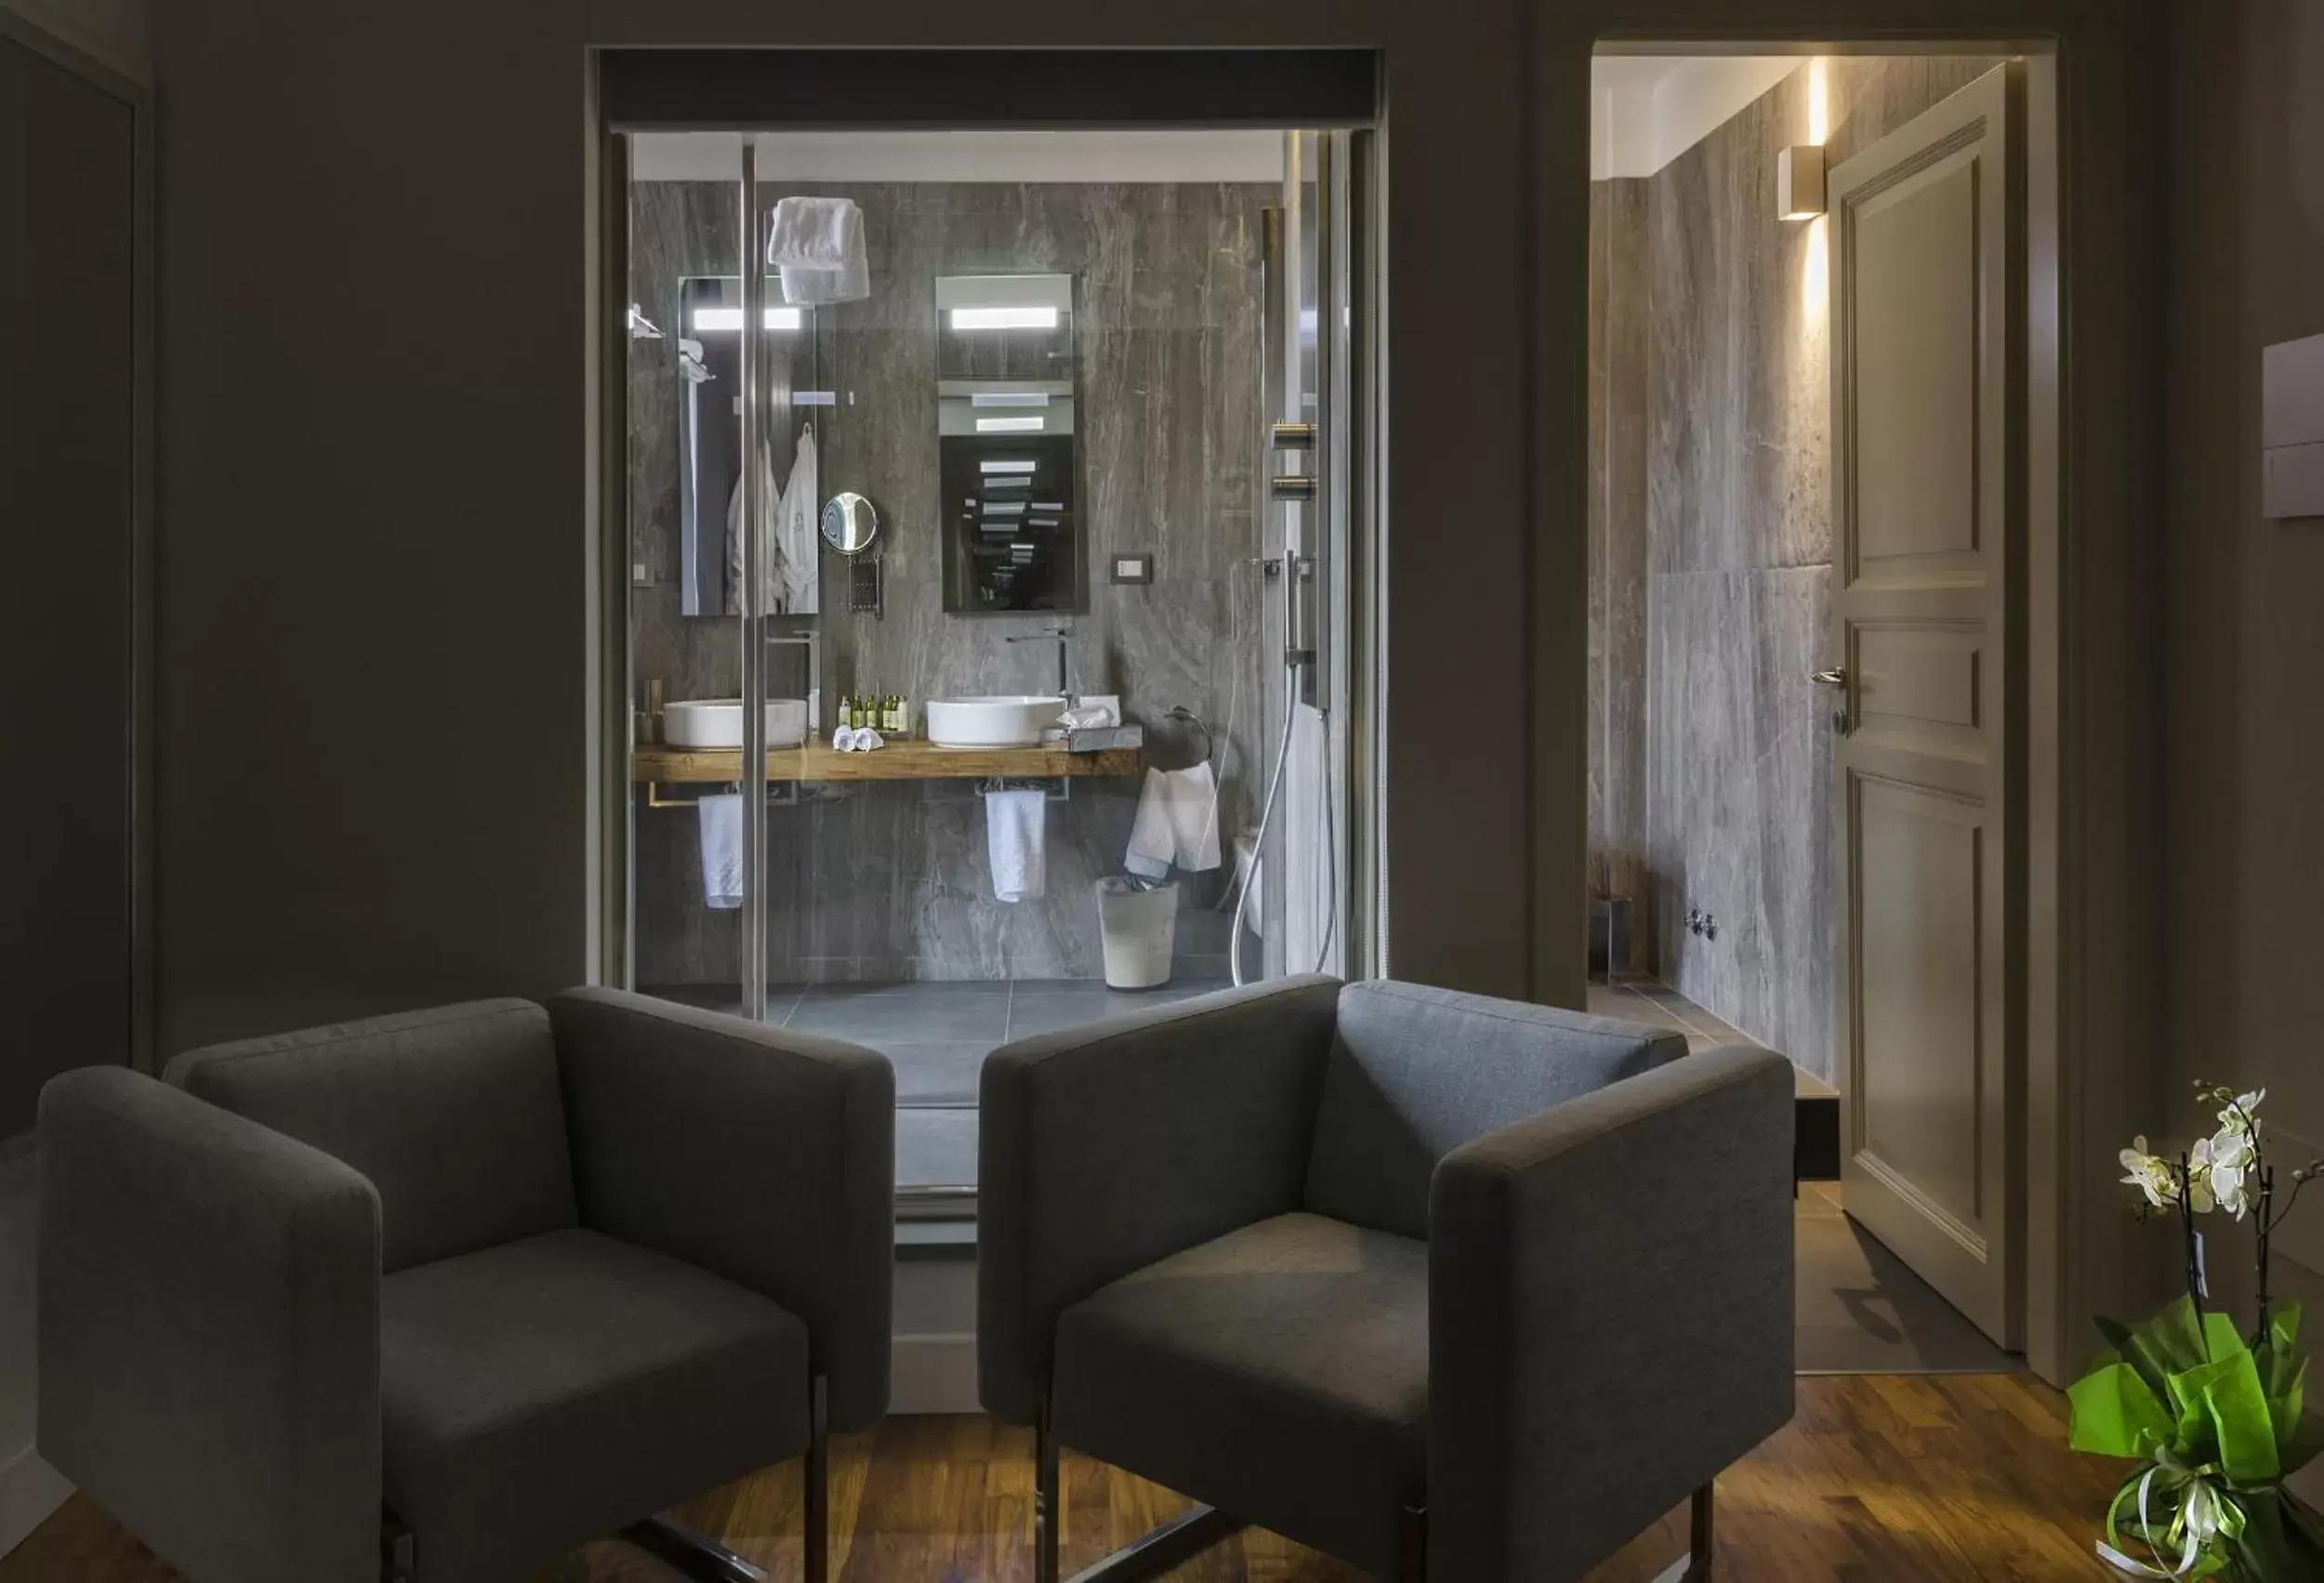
(996, 496)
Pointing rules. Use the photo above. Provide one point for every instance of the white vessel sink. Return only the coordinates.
(1015, 719)
(717, 723)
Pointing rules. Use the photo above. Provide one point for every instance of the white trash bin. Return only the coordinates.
(1137, 927)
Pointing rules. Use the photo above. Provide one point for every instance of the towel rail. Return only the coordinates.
(1058, 788)
(781, 794)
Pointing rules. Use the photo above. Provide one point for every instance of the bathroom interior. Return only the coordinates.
(1049, 592)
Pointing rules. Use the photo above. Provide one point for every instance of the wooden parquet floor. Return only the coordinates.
(1880, 1479)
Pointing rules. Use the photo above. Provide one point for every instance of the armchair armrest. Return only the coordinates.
(763, 1157)
(1105, 1148)
(1610, 1301)
(209, 1332)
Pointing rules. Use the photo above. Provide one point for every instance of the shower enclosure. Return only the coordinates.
(1089, 407)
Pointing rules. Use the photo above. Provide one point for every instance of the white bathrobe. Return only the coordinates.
(790, 556)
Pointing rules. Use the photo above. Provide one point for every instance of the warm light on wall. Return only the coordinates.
(1799, 168)
(1814, 275)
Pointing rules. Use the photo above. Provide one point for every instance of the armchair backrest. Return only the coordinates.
(1416, 1072)
(453, 1113)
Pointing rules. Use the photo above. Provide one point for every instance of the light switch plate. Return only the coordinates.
(1133, 568)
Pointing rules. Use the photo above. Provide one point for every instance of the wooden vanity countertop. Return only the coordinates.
(907, 759)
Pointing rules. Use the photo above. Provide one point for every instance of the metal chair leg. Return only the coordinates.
(816, 1567)
(1048, 1515)
(1694, 1565)
(1149, 1555)
(704, 1559)
(694, 1556)
(1412, 1546)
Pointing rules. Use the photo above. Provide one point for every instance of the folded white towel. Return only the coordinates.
(857, 739)
(1092, 718)
(1017, 841)
(1177, 823)
(817, 246)
(814, 231)
(803, 287)
(721, 818)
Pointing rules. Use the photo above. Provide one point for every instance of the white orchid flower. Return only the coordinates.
(2216, 1166)
(2242, 1115)
(2155, 1176)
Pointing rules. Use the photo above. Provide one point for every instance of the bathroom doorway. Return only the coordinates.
(1047, 637)
(1811, 508)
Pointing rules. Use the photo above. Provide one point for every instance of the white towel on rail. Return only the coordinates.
(1177, 823)
(816, 244)
(1016, 837)
(721, 818)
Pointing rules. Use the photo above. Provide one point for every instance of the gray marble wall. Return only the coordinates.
(1732, 590)
(1617, 555)
(891, 880)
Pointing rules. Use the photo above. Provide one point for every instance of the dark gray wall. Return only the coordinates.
(366, 531)
(69, 402)
(2245, 618)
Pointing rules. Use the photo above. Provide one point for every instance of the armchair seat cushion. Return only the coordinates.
(1279, 1372)
(546, 1392)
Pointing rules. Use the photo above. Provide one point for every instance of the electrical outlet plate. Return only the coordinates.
(1133, 568)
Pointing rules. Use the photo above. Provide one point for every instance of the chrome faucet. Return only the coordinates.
(1061, 637)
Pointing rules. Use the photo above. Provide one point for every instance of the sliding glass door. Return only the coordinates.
(995, 510)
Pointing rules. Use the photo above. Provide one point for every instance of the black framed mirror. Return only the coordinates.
(1010, 459)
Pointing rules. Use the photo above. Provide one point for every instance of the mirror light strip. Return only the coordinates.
(1008, 425)
(1010, 466)
(716, 319)
(1004, 318)
(1009, 399)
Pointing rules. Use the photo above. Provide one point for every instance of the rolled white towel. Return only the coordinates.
(857, 739)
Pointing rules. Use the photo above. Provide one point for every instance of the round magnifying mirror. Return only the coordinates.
(850, 523)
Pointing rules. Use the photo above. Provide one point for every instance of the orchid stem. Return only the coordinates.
(2186, 1224)
(2267, 1198)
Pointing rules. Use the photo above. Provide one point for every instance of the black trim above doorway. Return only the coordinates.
(1026, 88)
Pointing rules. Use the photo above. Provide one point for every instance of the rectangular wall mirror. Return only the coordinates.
(1011, 465)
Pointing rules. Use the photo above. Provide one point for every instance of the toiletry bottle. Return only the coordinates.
(846, 717)
(891, 716)
(862, 716)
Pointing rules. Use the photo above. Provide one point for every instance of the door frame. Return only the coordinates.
(137, 95)
(2086, 929)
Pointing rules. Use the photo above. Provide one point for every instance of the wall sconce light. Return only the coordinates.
(1799, 182)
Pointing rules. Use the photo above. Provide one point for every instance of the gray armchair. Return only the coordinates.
(1438, 1284)
(440, 1295)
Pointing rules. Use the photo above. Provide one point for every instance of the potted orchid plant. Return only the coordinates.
(2212, 1413)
